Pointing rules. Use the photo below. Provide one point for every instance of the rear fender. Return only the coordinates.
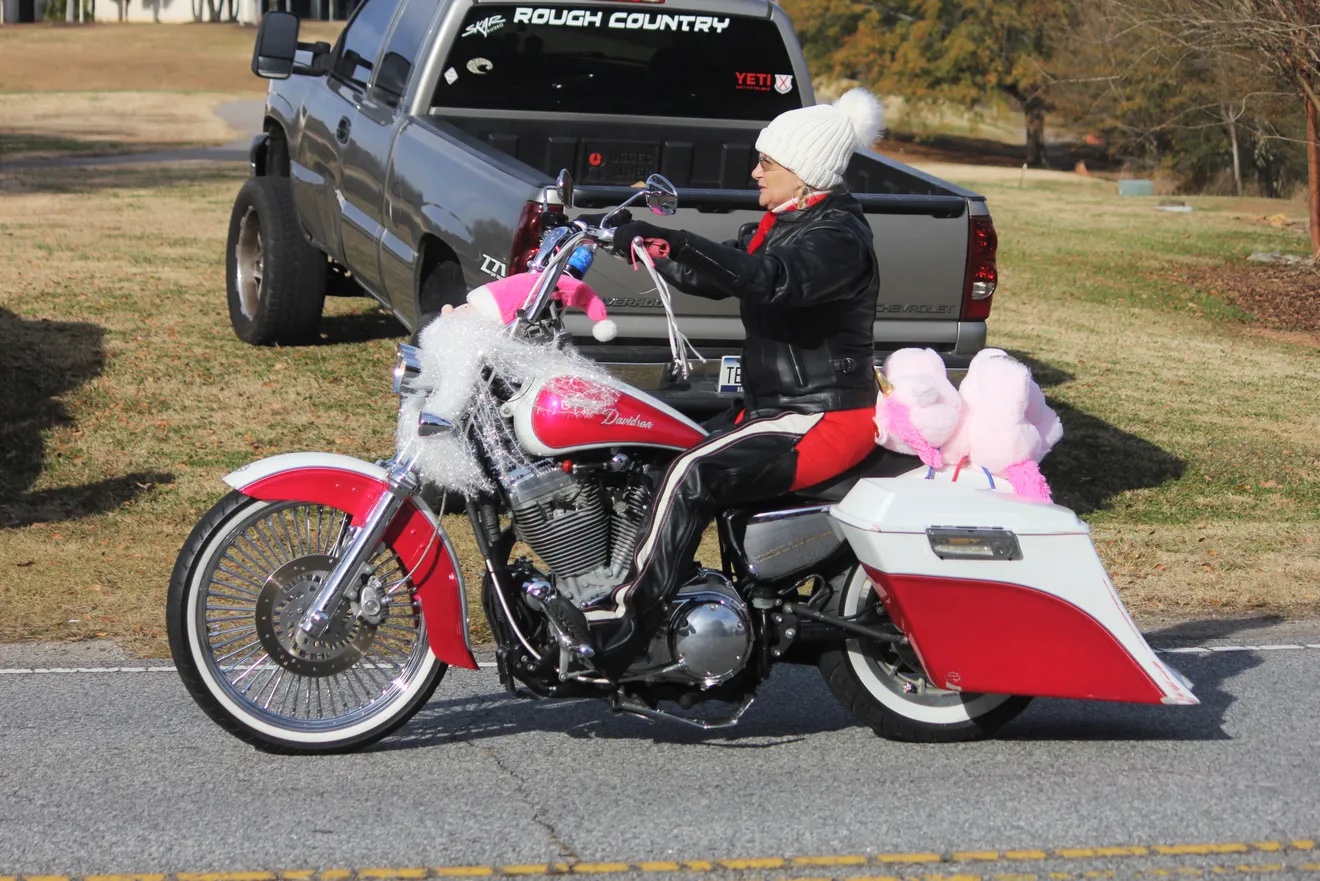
(415, 535)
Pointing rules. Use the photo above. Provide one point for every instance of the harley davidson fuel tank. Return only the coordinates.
(565, 415)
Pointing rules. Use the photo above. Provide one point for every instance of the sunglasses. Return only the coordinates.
(765, 163)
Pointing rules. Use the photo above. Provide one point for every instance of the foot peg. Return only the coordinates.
(567, 621)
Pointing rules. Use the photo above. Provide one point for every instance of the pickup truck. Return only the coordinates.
(414, 159)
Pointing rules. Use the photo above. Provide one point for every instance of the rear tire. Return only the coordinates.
(241, 580)
(275, 279)
(885, 687)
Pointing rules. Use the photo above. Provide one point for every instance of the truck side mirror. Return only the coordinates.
(276, 46)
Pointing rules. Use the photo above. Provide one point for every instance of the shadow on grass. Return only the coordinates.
(40, 361)
(1096, 461)
(52, 177)
(360, 328)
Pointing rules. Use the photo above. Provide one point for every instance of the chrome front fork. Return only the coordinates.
(315, 622)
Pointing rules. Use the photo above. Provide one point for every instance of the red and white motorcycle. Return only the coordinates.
(318, 605)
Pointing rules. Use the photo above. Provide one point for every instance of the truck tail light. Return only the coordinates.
(527, 237)
(982, 272)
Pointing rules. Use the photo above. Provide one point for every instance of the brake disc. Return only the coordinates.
(281, 605)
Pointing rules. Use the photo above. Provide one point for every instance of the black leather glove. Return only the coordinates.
(594, 220)
(623, 236)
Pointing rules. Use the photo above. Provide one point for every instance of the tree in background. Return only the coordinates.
(1278, 37)
(942, 50)
(1191, 109)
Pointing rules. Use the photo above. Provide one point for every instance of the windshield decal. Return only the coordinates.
(763, 82)
(630, 21)
(480, 66)
(486, 26)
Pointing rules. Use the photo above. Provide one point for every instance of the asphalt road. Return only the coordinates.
(119, 772)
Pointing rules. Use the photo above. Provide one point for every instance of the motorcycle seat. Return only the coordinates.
(880, 463)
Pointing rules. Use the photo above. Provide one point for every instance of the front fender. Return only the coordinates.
(415, 535)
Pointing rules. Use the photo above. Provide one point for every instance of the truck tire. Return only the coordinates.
(443, 286)
(275, 279)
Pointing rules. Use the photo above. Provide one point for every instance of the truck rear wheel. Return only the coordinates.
(275, 279)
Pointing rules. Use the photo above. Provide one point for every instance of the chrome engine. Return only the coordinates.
(708, 637)
(584, 532)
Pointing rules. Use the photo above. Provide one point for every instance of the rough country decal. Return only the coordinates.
(612, 417)
(627, 21)
(486, 26)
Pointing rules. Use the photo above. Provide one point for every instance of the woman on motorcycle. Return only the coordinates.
(807, 280)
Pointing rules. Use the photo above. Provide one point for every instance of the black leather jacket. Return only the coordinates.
(808, 300)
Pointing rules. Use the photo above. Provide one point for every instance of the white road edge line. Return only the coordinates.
(487, 665)
(13, 671)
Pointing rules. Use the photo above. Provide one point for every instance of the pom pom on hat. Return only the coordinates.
(816, 143)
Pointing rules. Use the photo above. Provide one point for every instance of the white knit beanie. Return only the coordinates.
(815, 143)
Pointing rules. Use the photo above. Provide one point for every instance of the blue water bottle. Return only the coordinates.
(580, 261)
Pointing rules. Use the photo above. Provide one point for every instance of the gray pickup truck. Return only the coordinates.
(414, 160)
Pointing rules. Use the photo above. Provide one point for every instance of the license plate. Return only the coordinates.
(730, 375)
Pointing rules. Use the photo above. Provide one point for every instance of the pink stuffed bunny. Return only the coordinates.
(1007, 426)
(501, 299)
(919, 408)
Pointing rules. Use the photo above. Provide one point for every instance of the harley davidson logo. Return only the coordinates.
(612, 417)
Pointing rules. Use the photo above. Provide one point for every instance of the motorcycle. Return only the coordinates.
(317, 606)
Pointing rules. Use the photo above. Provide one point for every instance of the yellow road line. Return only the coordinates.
(752, 864)
(851, 860)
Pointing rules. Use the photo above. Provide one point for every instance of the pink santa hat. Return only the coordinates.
(501, 299)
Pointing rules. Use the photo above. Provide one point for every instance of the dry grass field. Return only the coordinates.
(130, 87)
(1192, 441)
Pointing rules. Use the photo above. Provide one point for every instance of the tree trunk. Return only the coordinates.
(1231, 119)
(1035, 113)
(1313, 173)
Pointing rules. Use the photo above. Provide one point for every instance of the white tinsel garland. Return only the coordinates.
(455, 348)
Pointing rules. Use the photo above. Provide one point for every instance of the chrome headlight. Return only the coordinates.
(407, 368)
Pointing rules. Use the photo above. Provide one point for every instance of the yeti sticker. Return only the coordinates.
(783, 83)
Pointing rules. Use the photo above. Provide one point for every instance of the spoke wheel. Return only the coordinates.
(235, 613)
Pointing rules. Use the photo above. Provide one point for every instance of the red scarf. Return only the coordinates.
(763, 228)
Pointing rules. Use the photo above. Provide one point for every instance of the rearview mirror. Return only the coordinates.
(276, 46)
(564, 187)
(661, 196)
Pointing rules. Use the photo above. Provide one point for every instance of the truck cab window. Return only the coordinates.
(362, 41)
(604, 59)
(401, 51)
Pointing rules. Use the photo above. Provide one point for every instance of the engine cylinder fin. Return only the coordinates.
(625, 524)
(564, 521)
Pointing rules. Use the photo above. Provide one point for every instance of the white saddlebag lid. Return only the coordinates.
(908, 505)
